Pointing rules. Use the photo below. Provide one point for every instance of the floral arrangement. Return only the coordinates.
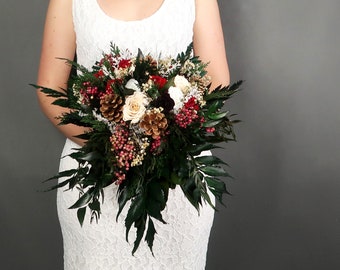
(148, 121)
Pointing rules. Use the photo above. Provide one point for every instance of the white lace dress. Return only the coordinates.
(182, 242)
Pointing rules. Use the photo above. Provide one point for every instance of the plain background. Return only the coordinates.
(284, 212)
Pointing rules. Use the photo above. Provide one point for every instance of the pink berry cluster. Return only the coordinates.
(124, 149)
(156, 143)
(188, 113)
(210, 129)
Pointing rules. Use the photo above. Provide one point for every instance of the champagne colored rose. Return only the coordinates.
(134, 107)
(182, 83)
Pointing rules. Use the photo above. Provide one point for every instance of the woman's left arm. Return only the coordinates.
(209, 41)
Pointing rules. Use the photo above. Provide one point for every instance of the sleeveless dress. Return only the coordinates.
(182, 242)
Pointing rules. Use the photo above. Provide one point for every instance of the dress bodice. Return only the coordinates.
(166, 32)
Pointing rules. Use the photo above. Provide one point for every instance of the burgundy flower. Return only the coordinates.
(164, 101)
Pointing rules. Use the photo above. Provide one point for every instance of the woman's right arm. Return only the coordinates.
(58, 42)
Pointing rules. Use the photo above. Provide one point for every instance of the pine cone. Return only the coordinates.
(111, 107)
(154, 123)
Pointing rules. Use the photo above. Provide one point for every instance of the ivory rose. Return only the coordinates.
(134, 107)
(182, 83)
(177, 95)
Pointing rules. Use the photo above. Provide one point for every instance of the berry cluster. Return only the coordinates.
(89, 92)
(124, 149)
(156, 143)
(188, 113)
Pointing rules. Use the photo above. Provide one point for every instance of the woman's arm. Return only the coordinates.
(58, 42)
(209, 41)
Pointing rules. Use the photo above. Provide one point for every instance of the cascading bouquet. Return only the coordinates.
(148, 120)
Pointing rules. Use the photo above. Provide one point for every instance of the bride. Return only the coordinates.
(159, 27)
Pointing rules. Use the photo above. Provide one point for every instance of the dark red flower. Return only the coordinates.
(164, 101)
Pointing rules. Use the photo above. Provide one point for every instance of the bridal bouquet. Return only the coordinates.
(148, 121)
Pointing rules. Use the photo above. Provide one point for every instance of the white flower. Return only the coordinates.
(134, 107)
(177, 95)
(133, 85)
(182, 83)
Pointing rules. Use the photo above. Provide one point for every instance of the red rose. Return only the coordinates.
(99, 74)
(192, 104)
(124, 63)
(159, 81)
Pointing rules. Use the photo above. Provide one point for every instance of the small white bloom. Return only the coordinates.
(134, 107)
(133, 85)
(177, 95)
(182, 83)
(105, 71)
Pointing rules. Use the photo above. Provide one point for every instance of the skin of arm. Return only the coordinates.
(58, 42)
(209, 42)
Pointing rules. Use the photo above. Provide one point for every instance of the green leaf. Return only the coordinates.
(62, 102)
(95, 206)
(214, 171)
(197, 149)
(59, 185)
(155, 201)
(50, 92)
(81, 156)
(136, 211)
(175, 179)
(212, 123)
(66, 173)
(217, 187)
(190, 191)
(209, 160)
(150, 234)
(217, 116)
(83, 200)
(140, 225)
(216, 184)
(123, 197)
(214, 106)
(81, 215)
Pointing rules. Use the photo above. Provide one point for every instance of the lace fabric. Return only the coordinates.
(182, 242)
